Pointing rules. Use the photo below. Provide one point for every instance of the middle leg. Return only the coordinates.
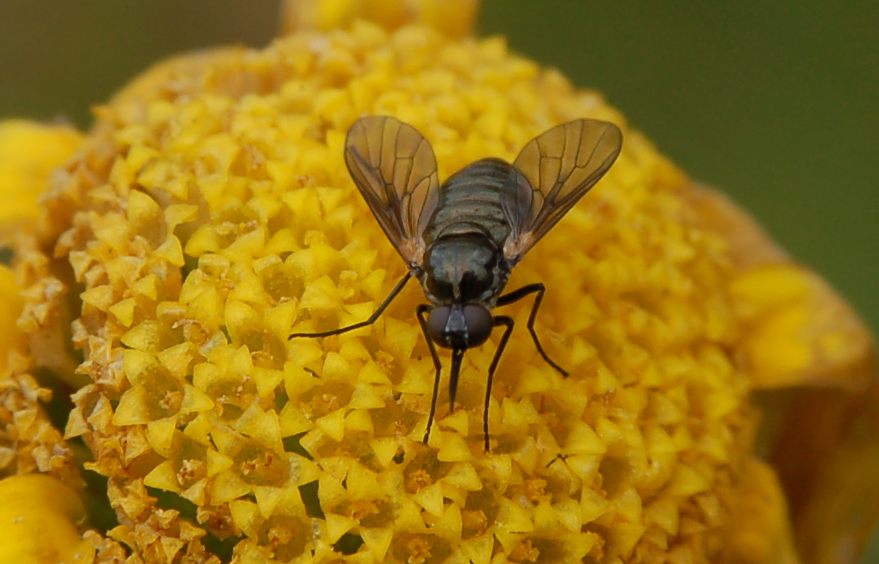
(517, 295)
(422, 310)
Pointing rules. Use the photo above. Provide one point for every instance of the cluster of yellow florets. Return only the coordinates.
(221, 217)
(210, 215)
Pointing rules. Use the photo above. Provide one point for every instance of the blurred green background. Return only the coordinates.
(773, 102)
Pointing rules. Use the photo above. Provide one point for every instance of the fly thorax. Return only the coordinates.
(461, 269)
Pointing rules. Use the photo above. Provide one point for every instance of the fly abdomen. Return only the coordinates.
(470, 201)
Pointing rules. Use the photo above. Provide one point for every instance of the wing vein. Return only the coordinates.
(385, 179)
(557, 183)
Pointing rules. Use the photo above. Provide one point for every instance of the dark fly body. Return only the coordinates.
(461, 239)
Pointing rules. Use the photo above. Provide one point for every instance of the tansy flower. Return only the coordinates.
(722, 403)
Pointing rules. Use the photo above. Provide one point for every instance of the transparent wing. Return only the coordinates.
(394, 168)
(556, 169)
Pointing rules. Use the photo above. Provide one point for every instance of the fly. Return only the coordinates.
(461, 239)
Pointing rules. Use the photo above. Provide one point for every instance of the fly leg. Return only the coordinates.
(516, 295)
(421, 311)
(508, 323)
(372, 318)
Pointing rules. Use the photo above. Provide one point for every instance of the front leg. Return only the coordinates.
(517, 295)
(372, 318)
(421, 311)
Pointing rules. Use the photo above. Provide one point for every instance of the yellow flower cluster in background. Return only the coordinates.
(39, 517)
(209, 215)
(28, 154)
(10, 308)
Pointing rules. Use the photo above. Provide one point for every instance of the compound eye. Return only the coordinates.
(479, 324)
(436, 323)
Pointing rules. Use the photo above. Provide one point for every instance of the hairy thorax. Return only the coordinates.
(463, 269)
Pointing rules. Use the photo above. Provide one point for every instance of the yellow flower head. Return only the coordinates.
(209, 215)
